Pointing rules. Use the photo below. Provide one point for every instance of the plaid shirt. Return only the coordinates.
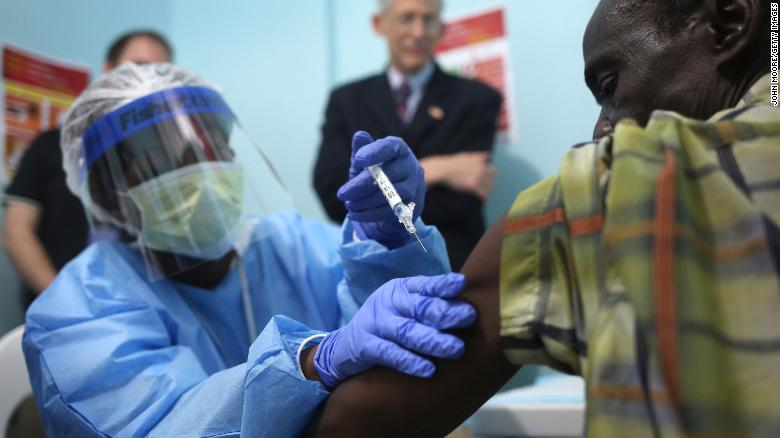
(651, 267)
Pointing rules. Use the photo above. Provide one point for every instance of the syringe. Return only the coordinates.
(402, 212)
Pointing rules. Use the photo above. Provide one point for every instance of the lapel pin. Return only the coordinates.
(435, 112)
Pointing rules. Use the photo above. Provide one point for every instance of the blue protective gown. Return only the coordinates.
(111, 353)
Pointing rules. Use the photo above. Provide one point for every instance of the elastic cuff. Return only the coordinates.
(329, 375)
(302, 347)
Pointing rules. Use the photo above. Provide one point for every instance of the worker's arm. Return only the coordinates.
(23, 245)
(469, 172)
(466, 166)
(382, 402)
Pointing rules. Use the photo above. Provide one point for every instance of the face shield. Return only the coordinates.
(177, 174)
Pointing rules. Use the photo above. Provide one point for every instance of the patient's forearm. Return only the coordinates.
(382, 402)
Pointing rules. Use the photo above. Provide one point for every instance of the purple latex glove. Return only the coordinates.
(366, 207)
(403, 316)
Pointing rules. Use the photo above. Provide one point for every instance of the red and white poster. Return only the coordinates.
(476, 45)
(38, 90)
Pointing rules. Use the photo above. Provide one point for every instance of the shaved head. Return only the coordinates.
(694, 57)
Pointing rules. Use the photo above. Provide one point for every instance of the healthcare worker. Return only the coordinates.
(177, 329)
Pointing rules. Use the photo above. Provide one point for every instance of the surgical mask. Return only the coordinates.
(193, 211)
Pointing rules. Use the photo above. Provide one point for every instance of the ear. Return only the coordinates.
(107, 67)
(378, 23)
(735, 27)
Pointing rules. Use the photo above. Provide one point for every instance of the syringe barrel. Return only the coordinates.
(401, 211)
(385, 186)
(404, 215)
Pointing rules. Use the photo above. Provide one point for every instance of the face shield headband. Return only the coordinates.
(143, 113)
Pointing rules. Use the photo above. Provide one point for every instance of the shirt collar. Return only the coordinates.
(758, 93)
(416, 80)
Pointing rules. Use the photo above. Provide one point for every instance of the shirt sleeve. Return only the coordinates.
(537, 323)
(552, 262)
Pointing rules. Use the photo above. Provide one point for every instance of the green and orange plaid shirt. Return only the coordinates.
(650, 266)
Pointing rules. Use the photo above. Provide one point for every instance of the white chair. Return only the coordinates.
(14, 381)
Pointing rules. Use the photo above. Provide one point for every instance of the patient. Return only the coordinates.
(649, 265)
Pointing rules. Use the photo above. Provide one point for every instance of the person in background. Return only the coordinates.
(217, 312)
(449, 122)
(650, 265)
(45, 225)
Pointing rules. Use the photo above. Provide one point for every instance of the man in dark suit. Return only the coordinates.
(449, 123)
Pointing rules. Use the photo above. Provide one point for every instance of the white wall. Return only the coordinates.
(272, 61)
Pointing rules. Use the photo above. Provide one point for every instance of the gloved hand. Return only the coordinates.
(366, 206)
(402, 315)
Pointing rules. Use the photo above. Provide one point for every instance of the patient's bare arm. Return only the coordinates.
(382, 402)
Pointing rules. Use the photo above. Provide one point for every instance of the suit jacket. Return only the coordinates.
(454, 115)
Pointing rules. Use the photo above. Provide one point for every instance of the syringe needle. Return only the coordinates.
(421, 244)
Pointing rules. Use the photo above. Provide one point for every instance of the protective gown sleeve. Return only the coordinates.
(112, 368)
(368, 264)
(147, 388)
(267, 396)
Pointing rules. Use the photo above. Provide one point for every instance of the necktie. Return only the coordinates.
(401, 96)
